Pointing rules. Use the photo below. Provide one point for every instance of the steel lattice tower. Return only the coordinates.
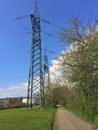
(46, 71)
(35, 82)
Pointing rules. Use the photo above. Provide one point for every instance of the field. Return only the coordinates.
(22, 119)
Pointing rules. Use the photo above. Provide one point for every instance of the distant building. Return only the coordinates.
(18, 100)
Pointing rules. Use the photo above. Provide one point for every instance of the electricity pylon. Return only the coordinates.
(35, 81)
(46, 70)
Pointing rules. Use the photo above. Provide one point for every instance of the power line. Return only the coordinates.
(50, 23)
(43, 20)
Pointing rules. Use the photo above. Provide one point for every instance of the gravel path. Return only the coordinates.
(65, 120)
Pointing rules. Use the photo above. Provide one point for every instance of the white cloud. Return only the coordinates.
(14, 91)
(54, 70)
(54, 66)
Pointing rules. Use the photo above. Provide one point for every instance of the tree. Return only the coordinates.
(56, 94)
(79, 64)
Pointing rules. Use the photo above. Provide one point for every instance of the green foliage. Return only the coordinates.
(79, 65)
(10, 106)
(87, 109)
(96, 119)
(22, 119)
(56, 94)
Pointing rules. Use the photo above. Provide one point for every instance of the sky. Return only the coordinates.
(15, 36)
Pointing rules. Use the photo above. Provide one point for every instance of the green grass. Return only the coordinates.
(85, 117)
(22, 119)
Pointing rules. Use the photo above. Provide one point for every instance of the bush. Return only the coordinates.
(10, 106)
(96, 119)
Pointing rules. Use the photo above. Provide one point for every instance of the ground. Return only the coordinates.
(65, 120)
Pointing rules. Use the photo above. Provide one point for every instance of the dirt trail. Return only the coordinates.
(65, 120)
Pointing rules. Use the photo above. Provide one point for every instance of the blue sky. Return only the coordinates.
(15, 41)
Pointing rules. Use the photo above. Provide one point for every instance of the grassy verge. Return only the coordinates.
(22, 119)
(85, 117)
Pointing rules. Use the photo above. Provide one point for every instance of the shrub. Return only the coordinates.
(10, 106)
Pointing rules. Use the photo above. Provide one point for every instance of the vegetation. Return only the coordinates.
(11, 106)
(21, 119)
(79, 66)
(55, 94)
